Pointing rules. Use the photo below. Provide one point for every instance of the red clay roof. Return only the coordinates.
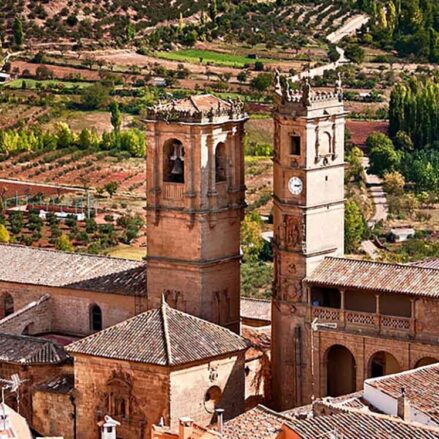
(52, 268)
(421, 387)
(354, 425)
(376, 276)
(162, 336)
(258, 423)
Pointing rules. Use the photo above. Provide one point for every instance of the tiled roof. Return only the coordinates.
(71, 270)
(376, 276)
(59, 384)
(162, 336)
(421, 387)
(428, 263)
(256, 309)
(354, 425)
(258, 423)
(197, 103)
(22, 349)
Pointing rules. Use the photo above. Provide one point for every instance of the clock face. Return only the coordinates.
(295, 185)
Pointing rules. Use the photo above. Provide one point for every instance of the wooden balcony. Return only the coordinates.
(356, 320)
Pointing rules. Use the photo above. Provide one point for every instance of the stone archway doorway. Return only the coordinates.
(340, 371)
(383, 363)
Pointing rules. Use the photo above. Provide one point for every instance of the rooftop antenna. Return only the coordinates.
(14, 386)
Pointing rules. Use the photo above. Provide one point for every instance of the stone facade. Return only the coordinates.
(308, 214)
(190, 212)
(151, 392)
(70, 308)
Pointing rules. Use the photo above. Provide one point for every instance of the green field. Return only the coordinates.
(31, 84)
(210, 57)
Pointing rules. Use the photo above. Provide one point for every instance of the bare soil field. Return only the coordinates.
(361, 129)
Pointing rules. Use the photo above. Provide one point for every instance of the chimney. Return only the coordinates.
(185, 428)
(401, 404)
(220, 420)
(108, 428)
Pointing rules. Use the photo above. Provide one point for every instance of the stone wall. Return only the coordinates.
(189, 388)
(34, 318)
(52, 414)
(145, 388)
(71, 307)
(31, 377)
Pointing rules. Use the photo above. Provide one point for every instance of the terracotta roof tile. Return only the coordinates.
(71, 270)
(255, 309)
(162, 336)
(376, 276)
(421, 387)
(258, 423)
(20, 349)
(354, 424)
(428, 263)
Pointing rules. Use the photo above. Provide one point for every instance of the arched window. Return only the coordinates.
(8, 304)
(220, 163)
(212, 398)
(426, 361)
(95, 318)
(173, 161)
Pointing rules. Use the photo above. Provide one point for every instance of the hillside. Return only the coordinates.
(119, 22)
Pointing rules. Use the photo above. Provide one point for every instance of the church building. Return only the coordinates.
(146, 344)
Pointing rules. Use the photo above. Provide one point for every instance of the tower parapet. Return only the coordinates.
(198, 110)
(306, 100)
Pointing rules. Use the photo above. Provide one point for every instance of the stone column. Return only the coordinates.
(377, 310)
(342, 308)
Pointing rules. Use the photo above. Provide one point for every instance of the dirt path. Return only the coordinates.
(348, 28)
(375, 185)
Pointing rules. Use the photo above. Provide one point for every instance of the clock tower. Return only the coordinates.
(308, 222)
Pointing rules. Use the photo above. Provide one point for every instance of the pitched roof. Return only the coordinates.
(51, 268)
(427, 263)
(354, 424)
(421, 387)
(60, 384)
(20, 349)
(197, 103)
(258, 423)
(162, 336)
(255, 309)
(376, 276)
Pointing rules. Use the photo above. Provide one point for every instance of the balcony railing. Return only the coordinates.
(173, 191)
(363, 320)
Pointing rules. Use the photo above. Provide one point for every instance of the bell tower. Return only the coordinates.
(308, 223)
(195, 194)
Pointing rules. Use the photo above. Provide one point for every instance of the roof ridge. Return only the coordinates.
(52, 250)
(191, 98)
(206, 322)
(391, 264)
(164, 316)
(273, 412)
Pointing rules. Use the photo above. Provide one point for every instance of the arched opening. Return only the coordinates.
(173, 162)
(212, 398)
(29, 329)
(8, 304)
(341, 371)
(95, 318)
(220, 163)
(382, 363)
(426, 361)
(325, 147)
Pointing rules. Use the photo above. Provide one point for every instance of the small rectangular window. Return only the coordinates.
(295, 145)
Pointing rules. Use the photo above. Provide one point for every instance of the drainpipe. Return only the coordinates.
(73, 402)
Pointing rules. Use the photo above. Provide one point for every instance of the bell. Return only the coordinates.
(175, 154)
(178, 167)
